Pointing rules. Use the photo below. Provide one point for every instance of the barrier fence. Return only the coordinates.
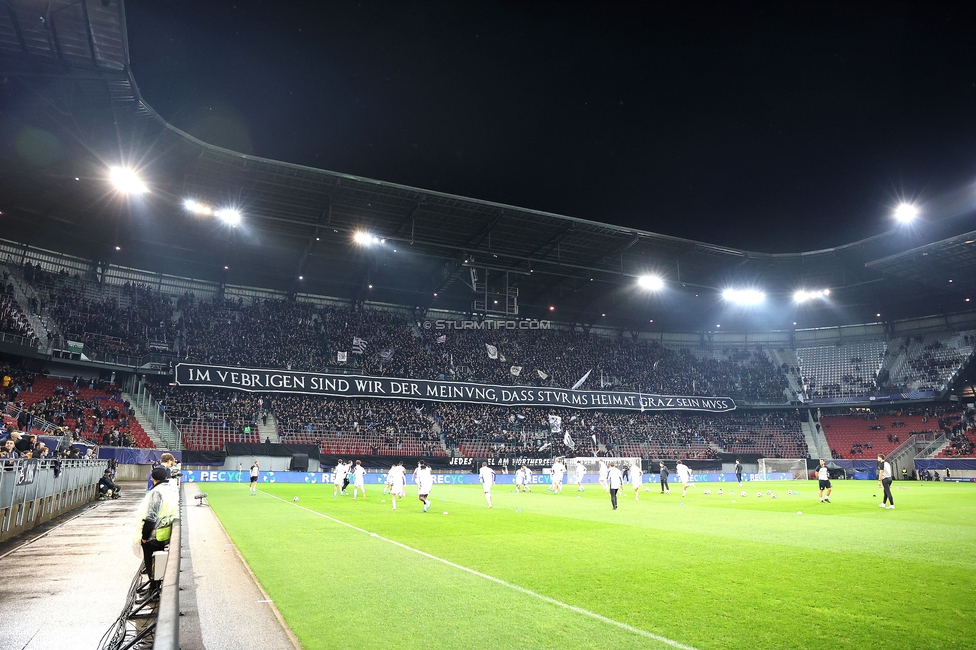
(33, 491)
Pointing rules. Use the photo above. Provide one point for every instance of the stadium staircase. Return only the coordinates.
(22, 297)
(781, 356)
(816, 442)
(153, 420)
(269, 430)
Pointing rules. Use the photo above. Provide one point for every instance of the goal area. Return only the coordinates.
(795, 467)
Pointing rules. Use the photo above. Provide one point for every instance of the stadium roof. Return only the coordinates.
(75, 110)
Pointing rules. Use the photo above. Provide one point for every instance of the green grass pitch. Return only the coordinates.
(708, 574)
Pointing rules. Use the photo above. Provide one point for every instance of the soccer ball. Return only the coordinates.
(789, 491)
(743, 493)
(769, 492)
(295, 499)
(759, 495)
(720, 491)
(706, 491)
(774, 495)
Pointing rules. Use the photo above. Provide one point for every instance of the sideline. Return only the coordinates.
(528, 592)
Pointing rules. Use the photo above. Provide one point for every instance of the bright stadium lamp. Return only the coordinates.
(650, 282)
(230, 216)
(197, 208)
(803, 295)
(906, 213)
(747, 297)
(126, 181)
(363, 238)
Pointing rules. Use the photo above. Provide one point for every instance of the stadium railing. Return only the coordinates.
(33, 491)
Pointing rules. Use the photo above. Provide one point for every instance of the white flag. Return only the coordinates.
(501, 357)
(516, 370)
(568, 441)
(442, 338)
(544, 446)
(594, 439)
(582, 379)
(555, 423)
(492, 351)
(358, 345)
(341, 357)
(541, 374)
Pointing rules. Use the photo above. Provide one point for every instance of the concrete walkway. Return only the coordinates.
(66, 586)
(224, 606)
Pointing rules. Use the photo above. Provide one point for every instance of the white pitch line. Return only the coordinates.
(528, 592)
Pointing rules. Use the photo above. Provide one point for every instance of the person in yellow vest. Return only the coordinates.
(159, 509)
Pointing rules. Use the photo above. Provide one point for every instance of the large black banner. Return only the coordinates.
(255, 380)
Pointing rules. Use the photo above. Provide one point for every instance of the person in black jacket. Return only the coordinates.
(106, 483)
(664, 479)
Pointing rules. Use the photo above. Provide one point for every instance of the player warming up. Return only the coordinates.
(520, 479)
(604, 471)
(398, 482)
(824, 476)
(255, 471)
(359, 480)
(738, 471)
(558, 469)
(487, 477)
(337, 480)
(684, 475)
(424, 482)
(636, 478)
(885, 475)
(614, 480)
(580, 473)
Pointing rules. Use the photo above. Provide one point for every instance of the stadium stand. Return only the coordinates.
(79, 409)
(931, 360)
(865, 433)
(841, 370)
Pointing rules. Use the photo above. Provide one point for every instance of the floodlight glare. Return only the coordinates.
(651, 282)
(906, 213)
(744, 296)
(365, 239)
(803, 295)
(197, 208)
(230, 216)
(126, 181)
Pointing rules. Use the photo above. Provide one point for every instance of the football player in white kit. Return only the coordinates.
(580, 473)
(424, 482)
(527, 478)
(398, 482)
(487, 477)
(684, 475)
(338, 478)
(636, 477)
(519, 479)
(386, 485)
(556, 473)
(604, 471)
(359, 480)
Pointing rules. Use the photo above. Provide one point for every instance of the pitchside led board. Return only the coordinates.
(326, 478)
(316, 383)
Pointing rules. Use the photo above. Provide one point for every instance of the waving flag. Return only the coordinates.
(358, 345)
(582, 379)
(492, 351)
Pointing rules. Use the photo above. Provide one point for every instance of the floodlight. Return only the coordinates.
(197, 208)
(803, 295)
(230, 216)
(126, 181)
(363, 238)
(744, 296)
(650, 282)
(906, 213)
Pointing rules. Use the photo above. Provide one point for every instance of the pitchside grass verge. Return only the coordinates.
(708, 574)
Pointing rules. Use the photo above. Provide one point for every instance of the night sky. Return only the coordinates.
(777, 128)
